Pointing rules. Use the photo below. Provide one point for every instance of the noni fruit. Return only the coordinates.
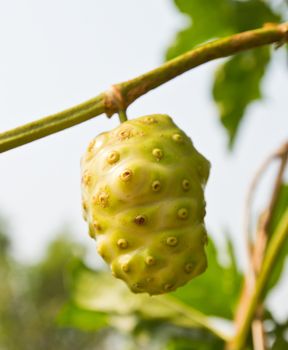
(143, 198)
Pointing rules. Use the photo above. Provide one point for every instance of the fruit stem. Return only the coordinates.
(122, 116)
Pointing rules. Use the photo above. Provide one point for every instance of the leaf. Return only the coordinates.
(237, 84)
(280, 343)
(166, 336)
(99, 291)
(134, 314)
(211, 19)
(281, 338)
(278, 334)
(238, 81)
(86, 320)
(213, 293)
(205, 343)
(217, 290)
(281, 206)
(208, 19)
(253, 14)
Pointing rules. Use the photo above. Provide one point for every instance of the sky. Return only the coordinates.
(55, 54)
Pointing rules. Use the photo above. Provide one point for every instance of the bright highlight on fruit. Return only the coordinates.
(143, 198)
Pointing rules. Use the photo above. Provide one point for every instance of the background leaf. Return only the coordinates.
(216, 291)
(277, 333)
(213, 293)
(76, 317)
(238, 81)
(202, 343)
(237, 84)
(281, 338)
(160, 317)
(31, 296)
(208, 19)
(100, 292)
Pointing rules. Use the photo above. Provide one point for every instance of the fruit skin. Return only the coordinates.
(143, 198)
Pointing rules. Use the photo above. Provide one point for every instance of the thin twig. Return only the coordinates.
(130, 90)
(257, 327)
(249, 199)
(282, 154)
(275, 245)
(258, 332)
(256, 251)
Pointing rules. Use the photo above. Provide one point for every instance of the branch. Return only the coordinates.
(256, 251)
(275, 245)
(130, 90)
(263, 233)
(256, 255)
(248, 207)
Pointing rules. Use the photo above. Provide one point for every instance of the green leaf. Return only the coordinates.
(86, 320)
(280, 343)
(166, 336)
(253, 14)
(217, 290)
(214, 293)
(211, 19)
(208, 19)
(281, 339)
(278, 334)
(204, 343)
(237, 84)
(281, 206)
(238, 81)
(99, 291)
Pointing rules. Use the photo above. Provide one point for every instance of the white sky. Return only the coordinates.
(55, 54)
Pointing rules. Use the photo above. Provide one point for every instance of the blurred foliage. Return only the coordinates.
(223, 300)
(279, 335)
(237, 81)
(31, 297)
(159, 320)
(182, 343)
(61, 303)
(176, 321)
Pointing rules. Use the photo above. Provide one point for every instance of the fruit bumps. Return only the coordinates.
(142, 190)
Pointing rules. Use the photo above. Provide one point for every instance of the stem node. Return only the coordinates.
(114, 101)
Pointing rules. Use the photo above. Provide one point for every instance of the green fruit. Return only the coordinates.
(142, 189)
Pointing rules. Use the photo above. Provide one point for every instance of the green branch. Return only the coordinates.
(129, 91)
(273, 249)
